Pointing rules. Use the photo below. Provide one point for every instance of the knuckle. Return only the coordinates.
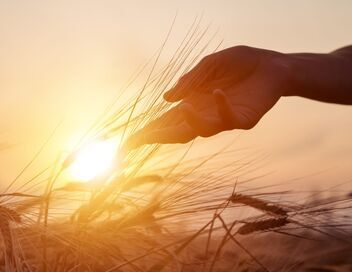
(204, 130)
(229, 124)
(183, 140)
(242, 49)
(207, 60)
(249, 125)
(251, 122)
(205, 134)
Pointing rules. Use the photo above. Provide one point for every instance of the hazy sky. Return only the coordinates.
(67, 59)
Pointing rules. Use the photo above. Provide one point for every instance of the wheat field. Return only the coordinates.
(159, 209)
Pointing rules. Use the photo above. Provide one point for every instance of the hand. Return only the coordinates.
(230, 89)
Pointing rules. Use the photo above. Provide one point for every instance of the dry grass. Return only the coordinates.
(182, 215)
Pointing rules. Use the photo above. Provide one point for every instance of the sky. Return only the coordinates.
(63, 61)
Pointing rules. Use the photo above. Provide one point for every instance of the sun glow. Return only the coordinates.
(93, 160)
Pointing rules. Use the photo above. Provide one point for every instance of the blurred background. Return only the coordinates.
(65, 61)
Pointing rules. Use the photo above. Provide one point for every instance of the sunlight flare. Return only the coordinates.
(94, 160)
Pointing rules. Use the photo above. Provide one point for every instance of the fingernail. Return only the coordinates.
(218, 92)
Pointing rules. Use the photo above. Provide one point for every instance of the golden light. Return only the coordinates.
(94, 160)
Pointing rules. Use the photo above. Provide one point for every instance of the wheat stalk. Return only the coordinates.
(6, 217)
(258, 204)
(263, 225)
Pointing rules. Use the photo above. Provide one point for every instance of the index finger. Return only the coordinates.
(181, 133)
(191, 81)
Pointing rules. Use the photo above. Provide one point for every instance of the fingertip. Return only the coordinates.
(136, 140)
(220, 98)
(219, 93)
(130, 144)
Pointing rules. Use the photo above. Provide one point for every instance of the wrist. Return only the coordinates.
(286, 71)
(309, 74)
(299, 74)
(322, 77)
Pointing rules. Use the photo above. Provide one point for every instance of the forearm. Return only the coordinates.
(323, 77)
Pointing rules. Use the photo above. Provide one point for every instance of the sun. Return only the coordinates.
(93, 160)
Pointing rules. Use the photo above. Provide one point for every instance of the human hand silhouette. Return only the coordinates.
(230, 89)
(235, 87)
